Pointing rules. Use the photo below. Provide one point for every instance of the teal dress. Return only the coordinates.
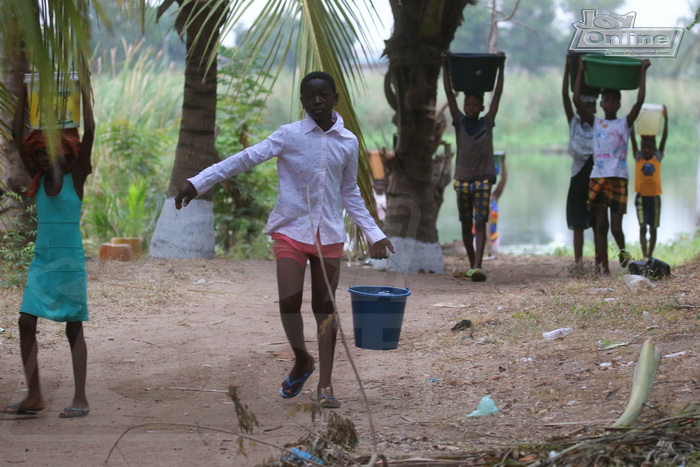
(56, 286)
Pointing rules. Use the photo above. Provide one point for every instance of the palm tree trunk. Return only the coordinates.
(422, 30)
(14, 177)
(190, 233)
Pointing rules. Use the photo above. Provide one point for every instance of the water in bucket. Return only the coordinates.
(66, 101)
(377, 315)
(650, 120)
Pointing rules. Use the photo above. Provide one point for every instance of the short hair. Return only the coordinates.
(478, 95)
(318, 75)
(613, 92)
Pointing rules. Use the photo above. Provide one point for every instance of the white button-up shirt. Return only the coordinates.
(317, 178)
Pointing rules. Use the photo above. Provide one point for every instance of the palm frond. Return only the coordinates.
(329, 32)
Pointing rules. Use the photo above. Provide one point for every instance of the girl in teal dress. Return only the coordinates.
(56, 287)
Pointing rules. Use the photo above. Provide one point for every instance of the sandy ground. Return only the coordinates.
(168, 338)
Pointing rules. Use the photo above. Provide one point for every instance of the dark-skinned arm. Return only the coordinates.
(496, 99)
(568, 107)
(664, 134)
(18, 127)
(378, 249)
(586, 115)
(447, 82)
(185, 194)
(498, 191)
(641, 93)
(83, 166)
(633, 140)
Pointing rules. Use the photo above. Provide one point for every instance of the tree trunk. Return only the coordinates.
(422, 30)
(190, 233)
(14, 177)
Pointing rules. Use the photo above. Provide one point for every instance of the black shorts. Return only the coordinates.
(648, 210)
(577, 213)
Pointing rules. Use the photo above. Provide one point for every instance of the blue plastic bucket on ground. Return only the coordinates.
(377, 315)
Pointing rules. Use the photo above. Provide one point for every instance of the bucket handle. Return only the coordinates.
(398, 268)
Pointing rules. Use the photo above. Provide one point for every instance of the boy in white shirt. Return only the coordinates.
(317, 160)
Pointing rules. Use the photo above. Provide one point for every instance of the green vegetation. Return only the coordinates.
(241, 206)
(134, 147)
(17, 247)
(531, 127)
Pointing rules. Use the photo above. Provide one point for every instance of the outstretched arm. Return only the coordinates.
(664, 135)
(641, 93)
(585, 113)
(447, 82)
(568, 108)
(496, 99)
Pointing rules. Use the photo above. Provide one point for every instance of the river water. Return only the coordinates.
(532, 210)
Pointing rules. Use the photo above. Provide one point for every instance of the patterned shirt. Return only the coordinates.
(580, 143)
(610, 148)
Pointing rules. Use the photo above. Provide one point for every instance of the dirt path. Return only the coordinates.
(168, 338)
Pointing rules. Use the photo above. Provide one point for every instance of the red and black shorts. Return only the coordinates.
(610, 192)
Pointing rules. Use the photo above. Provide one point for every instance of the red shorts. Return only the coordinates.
(285, 247)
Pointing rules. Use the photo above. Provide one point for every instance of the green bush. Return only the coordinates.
(125, 192)
(243, 203)
(17, 246)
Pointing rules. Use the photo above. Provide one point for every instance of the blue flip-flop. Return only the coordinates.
(299, 381)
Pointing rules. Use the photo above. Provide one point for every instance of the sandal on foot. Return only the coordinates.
(289, 384)
(476, 275)
(18, 409)
(73, 412)
(625, 257)
(326, 399)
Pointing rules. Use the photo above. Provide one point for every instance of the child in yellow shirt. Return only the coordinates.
(647, 185)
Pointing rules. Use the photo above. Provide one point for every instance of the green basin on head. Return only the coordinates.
(606, 72)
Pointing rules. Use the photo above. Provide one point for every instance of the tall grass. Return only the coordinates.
(144, 89)
(137, 112)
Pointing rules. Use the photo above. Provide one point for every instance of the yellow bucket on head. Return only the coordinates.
(65, 101)
(650, 120)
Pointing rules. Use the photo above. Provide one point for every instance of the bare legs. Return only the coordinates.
(647, 250)
(78, 348)
(290, 280)
(616, 229)
(578, 243)
(468, 239)
(476, 256)
(29, 350)
(601, 235)
(601, 238)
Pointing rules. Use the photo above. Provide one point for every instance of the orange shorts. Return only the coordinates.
(286, 247)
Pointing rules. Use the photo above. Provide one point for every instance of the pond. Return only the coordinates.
(532, 210)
